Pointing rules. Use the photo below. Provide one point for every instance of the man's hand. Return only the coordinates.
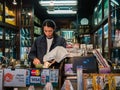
(36, 61)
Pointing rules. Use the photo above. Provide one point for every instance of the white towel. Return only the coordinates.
(58, 54)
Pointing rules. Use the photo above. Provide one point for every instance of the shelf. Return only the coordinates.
(9, 26)
(27, 26)
(115, 47)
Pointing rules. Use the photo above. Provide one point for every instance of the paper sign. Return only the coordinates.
(15, 78)
(27, 77)
(54, 75)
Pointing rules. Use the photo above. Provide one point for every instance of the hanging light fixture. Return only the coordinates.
(61, 12)
(58, 3)
(14, 2)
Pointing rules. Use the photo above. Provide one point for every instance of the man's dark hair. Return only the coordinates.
(49, 23)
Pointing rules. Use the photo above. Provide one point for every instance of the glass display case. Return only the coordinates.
(26, 32)
(8, 30)
(25, 42)
(102, 8)
(99, 13)
(85, 39)
(115, 17)
(84, 34)
(95, 19)
(10, 43)
(106, 8)
(106, 40)
(98, 39)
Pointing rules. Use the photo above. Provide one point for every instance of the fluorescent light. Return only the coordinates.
(61, 12)
(58, 3)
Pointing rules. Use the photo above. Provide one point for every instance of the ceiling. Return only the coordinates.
(85, 9)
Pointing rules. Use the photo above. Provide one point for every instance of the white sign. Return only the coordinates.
(1, 79)
(15, 78)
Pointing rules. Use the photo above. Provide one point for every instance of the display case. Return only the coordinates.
(25, 42)
(106, 8)
(10, 43)
(98, 39)
(99, 12)
(26, 31)
(95, 19)
(115, 36)
(85, 39)
(106, 48)
(84, 31)
(8, 30)
(104, 23)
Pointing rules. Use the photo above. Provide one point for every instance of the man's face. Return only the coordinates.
(48, 31)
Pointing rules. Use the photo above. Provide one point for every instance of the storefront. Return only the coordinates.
(93, 45)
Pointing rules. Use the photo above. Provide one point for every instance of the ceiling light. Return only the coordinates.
(29, 14)
(58, 3)
(61, 12)
(14, 2)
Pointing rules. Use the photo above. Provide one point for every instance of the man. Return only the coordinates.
(45, 43)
